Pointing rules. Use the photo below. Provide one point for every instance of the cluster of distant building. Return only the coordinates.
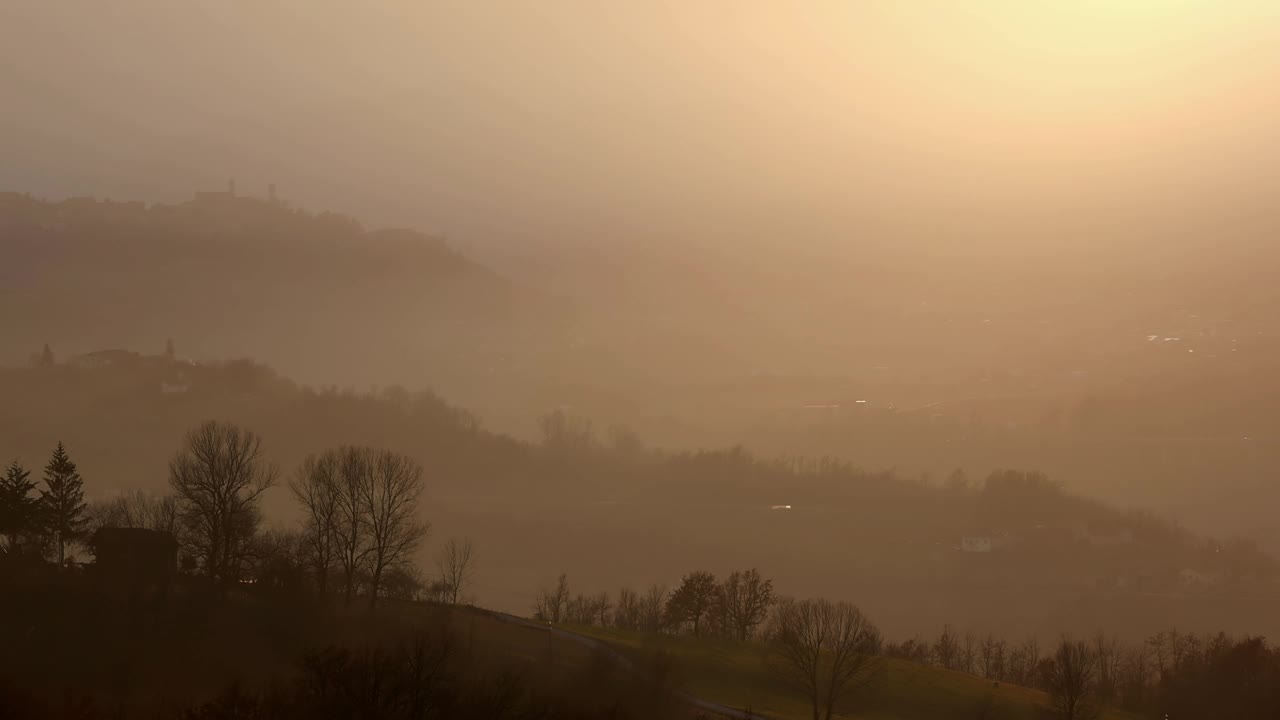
(19, 211)
(207, 196)
(174, 378)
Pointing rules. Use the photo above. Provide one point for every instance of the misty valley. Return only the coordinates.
(835, 360)
(978, 572)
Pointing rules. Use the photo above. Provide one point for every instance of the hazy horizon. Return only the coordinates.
(599, 359)
(1000, 127)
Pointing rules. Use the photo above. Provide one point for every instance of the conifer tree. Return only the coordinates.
(17, 505)
(62, 502)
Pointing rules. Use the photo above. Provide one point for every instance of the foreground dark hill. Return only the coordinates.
(75, 650)
(608, 511)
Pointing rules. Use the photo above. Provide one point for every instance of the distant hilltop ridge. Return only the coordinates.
(313, 293)
(221, 212)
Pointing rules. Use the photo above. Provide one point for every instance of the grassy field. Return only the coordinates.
(738, 675)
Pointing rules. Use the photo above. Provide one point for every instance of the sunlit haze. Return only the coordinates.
(1018, 124)
(584, 358)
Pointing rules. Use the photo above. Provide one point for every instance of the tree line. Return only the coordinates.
(825, 650)
(574, 459)
(1184, 674)
(830, 651)
(700, 605)
(360, 531)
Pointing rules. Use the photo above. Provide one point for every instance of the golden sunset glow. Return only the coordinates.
(779, 359)
(573, 121)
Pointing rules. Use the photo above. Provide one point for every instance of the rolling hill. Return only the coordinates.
(612, 512)
(227, 275)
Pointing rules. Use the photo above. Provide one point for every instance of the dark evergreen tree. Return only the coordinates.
(62, 502)
(18, 515)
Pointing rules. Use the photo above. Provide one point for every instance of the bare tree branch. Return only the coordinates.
(350, 528)
(747, 598)
(218, 478)
(457, 569)
(316, 487)
(389, 501)
(824, 649)
(1071, 678)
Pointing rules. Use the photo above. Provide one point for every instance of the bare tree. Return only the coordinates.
(969, 652)
(1137, 675)
(436, 591)
(626, 614)
(824, 649)
(276, 561)
(218, 478)
(551, 605)
(136, 509)
(916, 650)
(389, 501)
(600, 607)
(747, 599)
(1179, 646)
(560, 598)
(542, 609)
(457, 569)
(1023, 664)
(355, 471)
(991, 653)
(1071, 677)
(1106, 648)
(651, 608)
(580, 610)
(317, 488)
(947, 649)
(1159, 655)
(405, 582)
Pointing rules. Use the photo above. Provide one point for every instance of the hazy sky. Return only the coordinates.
(823, 122)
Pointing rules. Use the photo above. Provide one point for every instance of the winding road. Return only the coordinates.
(595, 644)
